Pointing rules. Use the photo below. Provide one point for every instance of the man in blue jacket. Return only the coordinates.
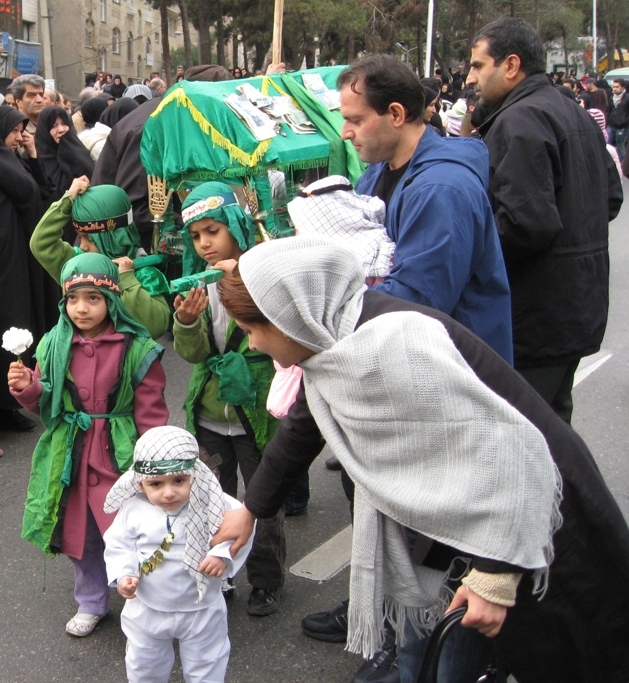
(447, 253)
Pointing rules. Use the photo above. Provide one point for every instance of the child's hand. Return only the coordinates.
(124, 263)
(212, 566)
(190, 308)
(127, 586)
(19, 376)
(79, 186)
(227, 265)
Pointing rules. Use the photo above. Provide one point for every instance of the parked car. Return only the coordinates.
(617, 73)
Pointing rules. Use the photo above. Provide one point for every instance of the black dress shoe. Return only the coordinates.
(332, 463)
(263, 602)
(14, 421)
(330, 627)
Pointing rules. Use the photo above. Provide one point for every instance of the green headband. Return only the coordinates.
(157, 468)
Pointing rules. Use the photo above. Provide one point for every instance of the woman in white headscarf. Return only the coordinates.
(442, 459)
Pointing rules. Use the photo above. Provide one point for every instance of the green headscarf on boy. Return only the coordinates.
(217, 201)
(84, 270)
(104, 213)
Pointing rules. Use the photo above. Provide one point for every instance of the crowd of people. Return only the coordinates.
(436, 316)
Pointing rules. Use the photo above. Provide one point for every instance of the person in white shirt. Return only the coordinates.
(158, 555)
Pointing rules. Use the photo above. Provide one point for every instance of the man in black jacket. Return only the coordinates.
(554, 189)
(618, 121)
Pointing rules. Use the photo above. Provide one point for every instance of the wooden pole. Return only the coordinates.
(278, 19)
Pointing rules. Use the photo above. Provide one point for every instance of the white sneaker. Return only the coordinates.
(82, 624)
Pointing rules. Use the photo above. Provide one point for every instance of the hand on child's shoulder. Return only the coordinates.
(227, 265)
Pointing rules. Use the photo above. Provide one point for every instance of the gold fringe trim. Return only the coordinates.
(235, 153)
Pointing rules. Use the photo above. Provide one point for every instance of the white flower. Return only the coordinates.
(16, 341)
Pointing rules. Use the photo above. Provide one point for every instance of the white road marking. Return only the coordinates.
(328, 559)
(590, 364)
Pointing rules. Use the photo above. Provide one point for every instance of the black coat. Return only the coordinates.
(578, 632)
(29, 295)
(554, 190)
(619, 114)
(119, 164)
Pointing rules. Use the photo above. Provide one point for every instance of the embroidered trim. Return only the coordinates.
(99, 280)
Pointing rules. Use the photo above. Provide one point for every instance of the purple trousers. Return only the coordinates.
(91, 590)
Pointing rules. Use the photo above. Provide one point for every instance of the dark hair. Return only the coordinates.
(566, 91)
(621, 81)
(383, 79)
(237, 301)
(509, 35)
(598, 99)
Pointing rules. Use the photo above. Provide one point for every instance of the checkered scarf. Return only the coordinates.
(332, 208)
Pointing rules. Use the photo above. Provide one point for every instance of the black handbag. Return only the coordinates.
(430, 665)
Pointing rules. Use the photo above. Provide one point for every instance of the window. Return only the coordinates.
(115, 41)
(117, 2)
(101, 59)
(130, 47)
(28, 30)
(149, 53)
(103, 11)
(140, 29)
(130, 10)
(89, 32)
(148, 12)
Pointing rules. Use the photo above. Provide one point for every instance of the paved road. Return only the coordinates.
(36, 593)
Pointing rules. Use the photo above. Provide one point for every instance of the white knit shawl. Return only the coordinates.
(429, 447)
(427, 444)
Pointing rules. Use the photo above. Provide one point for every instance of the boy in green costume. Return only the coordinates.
(226, 403)
(103, 219)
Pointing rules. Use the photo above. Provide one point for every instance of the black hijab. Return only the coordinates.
(9, 119)
(92, 109)
(117, 90)
(64, 161)
(118, 110)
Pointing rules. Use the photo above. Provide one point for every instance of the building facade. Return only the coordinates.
(122, 37)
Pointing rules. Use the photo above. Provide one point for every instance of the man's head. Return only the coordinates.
(590, 84)
(504, 53)
(28, 91)
(618, 86)
(382, 102)
(157, 87)
(180, 70)
(51, 98)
